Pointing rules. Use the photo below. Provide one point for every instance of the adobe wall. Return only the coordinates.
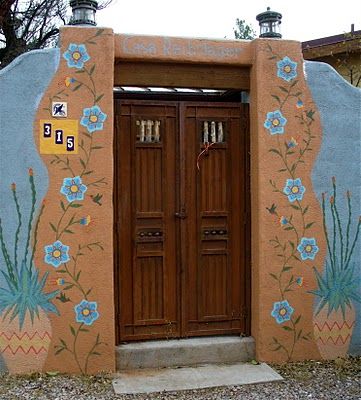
(56, 186)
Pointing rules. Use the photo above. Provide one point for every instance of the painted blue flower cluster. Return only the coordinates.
(56, 254)
(86, 312)
(282, 311)
(287, 69)
(73, 189)
(308, 248)
(93, 119)
(294, 189)
(275, 122)
(76, 55)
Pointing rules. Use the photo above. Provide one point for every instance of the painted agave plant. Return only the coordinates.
(25, 288)
(338, 286)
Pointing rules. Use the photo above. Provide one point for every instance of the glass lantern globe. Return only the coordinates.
(83, 12)
(269, 23)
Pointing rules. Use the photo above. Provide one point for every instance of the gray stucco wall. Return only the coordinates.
(22, 85)
(339, 104)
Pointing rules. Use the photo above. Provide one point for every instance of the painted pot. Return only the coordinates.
(333, 332)
(25, 350)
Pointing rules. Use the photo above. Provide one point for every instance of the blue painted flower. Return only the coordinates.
(308, 248)
(299, 103)
(299, 281)
(93, 119)
(287, 69)
(73, 188)
(283, 220)
(294, 189)
(292, 143)
(86, 312)
(282, 311)
(275, 122)
(56, 254)
(76, 55)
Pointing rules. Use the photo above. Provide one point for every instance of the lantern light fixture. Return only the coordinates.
(83, 12)
(269, 22)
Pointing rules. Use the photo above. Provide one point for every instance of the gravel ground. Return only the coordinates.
(340, 379)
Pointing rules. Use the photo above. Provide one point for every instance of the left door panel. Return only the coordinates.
(147, 199)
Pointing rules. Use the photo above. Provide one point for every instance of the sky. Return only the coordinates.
(306, 20)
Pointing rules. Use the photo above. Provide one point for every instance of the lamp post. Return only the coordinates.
(83, 12)
(269, 22)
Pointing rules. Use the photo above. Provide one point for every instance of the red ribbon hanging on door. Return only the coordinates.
(205, 152)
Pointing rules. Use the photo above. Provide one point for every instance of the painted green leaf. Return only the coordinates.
(59, 351)
(297, 320)
(286, 268)
(68, 231)
(62, 205)
(82, 163)
(305, 210)
(274, 151)
(72, 330)
(295, 207)
(92, 69)
(287, 328)
(276, 98)
(99, 32)
(80, 71)
(91, 42)
(75, 205)
(272, 58)
(83, 330)
(283, 89)
(77, 87)
(273, 276)
(309, 225)
(294, 83)
(99, 98)
(53, 227)
(97, 147)
(95, 353)
(288, 228)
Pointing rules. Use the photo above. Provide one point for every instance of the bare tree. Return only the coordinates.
(243, 30)
(348, 62)
(31, 24)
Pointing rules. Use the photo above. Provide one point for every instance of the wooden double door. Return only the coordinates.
(181, 206)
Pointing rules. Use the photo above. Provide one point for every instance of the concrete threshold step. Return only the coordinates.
(190, 378)
(185, 352)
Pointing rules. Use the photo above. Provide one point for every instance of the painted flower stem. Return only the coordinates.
(74, 348)
(7, 259)
(90, 73)
(354, 243)
(88, 156)
(75, 282)
(58, 235)
(35, 242)
(32, 211)
(92, 352)
(348, 224)
(334, 205)
(59, 160)
(87, 86)
(17, 233)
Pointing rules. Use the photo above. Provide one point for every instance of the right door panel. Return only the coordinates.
(214, 195)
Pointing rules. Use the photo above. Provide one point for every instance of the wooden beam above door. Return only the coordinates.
(196, 76)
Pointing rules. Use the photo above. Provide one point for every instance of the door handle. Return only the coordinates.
(181, 214)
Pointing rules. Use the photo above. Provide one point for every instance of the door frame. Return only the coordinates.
(180, 230)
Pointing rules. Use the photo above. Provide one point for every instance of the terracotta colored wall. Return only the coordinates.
(285, 138)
